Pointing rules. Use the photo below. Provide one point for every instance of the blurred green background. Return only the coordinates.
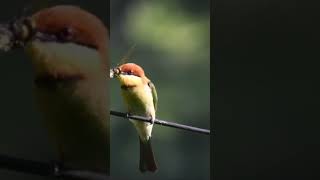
(172, 45)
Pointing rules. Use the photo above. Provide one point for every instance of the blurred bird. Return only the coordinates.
(140, 97)
(68, 50)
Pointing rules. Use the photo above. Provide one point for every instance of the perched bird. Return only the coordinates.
(68, 50)
(140, 97)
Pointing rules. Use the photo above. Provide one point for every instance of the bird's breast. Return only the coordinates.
(139, 100)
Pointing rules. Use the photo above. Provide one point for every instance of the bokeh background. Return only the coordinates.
(22, 131)
(171, 39)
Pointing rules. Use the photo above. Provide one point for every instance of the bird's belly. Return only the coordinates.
(144, 129)
(140, 103)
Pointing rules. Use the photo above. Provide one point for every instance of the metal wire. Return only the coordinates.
(161, 122)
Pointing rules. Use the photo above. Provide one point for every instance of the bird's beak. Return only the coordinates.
(114, 72)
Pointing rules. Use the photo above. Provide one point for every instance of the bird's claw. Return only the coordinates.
(152, 120)
(128, 115)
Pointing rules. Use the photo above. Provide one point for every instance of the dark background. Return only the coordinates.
(266, 89)
(22, 133)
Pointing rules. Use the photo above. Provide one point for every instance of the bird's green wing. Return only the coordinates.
(154, 94)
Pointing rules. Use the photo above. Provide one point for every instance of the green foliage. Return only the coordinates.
(169, 29)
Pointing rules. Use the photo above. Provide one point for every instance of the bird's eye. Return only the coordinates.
(129, 72)
(65, 34)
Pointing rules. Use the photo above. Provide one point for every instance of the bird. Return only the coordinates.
(140, 97)
(67, 47)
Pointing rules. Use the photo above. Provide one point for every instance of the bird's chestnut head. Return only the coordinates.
(129, 69)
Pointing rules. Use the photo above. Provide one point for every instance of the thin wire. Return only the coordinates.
(161, 122)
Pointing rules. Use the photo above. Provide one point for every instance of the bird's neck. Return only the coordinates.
(127, 81)
(63, 60)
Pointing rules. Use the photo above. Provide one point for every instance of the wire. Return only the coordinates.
(161, 122)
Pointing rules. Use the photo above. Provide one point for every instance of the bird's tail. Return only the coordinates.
(147, 160)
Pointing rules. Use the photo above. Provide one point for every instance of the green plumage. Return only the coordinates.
(154, 95)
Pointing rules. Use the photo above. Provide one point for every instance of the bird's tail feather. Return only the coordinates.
(147, 160)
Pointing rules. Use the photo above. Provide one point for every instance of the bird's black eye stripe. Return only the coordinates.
(127, 72)
(61, 37)
(65, 34)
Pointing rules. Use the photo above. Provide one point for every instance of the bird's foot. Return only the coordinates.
(151, 120)
(128, 115)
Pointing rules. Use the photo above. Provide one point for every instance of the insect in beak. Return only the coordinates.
(114, 72)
